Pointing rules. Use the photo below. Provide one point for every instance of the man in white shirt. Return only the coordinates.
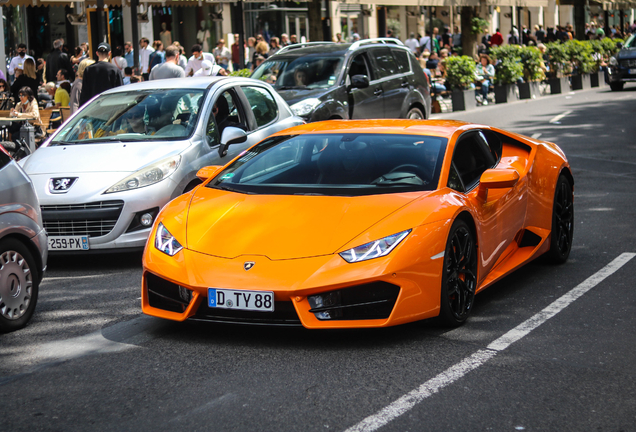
(194, 62)
(144, 57)
(413, 44)
(17, 62)
(207, 69)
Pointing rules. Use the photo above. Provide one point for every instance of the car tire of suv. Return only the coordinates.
(617, 86)
(415, 114)
(19, 280)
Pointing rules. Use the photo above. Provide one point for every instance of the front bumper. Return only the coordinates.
(620, 74)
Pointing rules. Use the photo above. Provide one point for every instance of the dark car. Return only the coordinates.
(622, 67)
(371, 78)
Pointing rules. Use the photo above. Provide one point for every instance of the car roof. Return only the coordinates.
(440, 128)
(333, 48)
(187, 83)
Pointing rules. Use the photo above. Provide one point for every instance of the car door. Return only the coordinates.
(364, 103)
(395, 84)
(502, 214)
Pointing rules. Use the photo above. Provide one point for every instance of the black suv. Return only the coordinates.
(371, 78)
(622, 67)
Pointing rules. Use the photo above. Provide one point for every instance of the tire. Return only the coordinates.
(617, 86)
(415, 114)
(562, 222)
(19, 283)
(459, 278)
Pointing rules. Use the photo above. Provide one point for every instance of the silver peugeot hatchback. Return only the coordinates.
(23, 250)
(105, 174)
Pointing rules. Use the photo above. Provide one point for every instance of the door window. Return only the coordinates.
(471, 158)
(225, 112)
(262, 104)
(402, 58)
(359, 67)
(386, 65)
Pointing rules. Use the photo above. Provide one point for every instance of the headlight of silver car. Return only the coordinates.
(165, 242)
(375, 249)
(305, 107)
(613, 61)
(148, 175)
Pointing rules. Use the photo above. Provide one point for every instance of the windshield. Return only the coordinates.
(141, 115)
(336, 164)
(631, 41)
(300, 72)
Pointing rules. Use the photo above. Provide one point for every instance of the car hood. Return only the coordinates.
(115, 157)
(229, 225)
(293, 96)
(626, 53)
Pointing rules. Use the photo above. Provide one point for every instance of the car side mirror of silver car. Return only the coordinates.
(231, 135)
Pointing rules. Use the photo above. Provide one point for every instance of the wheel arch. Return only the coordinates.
(420, 106)
(568, 174)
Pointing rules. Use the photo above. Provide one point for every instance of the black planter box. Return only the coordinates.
(506, 93)
(559, 85)
(581, 82)
(597, 79)
(529, 90)
(463, 100)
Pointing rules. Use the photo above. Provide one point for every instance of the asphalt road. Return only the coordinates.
(90, 361)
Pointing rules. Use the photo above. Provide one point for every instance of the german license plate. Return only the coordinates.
(261, 301)
(61, 243)
(632, 71)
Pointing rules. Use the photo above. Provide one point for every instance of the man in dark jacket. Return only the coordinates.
(100, 76)
(57, 60)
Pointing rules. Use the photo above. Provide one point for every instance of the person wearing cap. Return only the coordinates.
(100, 76)
(198, 56)
(170, 68)
(208, 69)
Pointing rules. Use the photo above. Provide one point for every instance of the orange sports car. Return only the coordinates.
(370, 223)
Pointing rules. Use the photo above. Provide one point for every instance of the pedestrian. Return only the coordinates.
(222, 54)
(144, 57)
(208, 69)
(57, 60)
(127, 75)
(284, 40)
(40, 70)
(27, 107)
(513, 36)
(77, 58)
(194, 62)
(261, 49)
(119, 60)
(457, 38)
(251, 50)
(158, 57)
(496, 39)
(25, 78)
(100, 76)
(129, 54)
(413, 44)
(17, 62)
(63, 94)
(236, 53)
(484, 74)
(425, 43)
(170, 68)
(339, 38)
(274, 46)
(539, 33)
(293, 40)
(76, 88)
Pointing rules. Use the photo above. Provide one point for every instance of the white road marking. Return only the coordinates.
(454, 373)
(536, 135)
(556, 119)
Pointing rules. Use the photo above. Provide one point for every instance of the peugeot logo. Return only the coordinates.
(248, 265)
(61, 185)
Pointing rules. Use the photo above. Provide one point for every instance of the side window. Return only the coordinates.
(453, 180)
(494, 143)
(385, 62)
(471, 159)
(402, 58)
(4, 159)
(224, 113)
(262, 104)
(359, 67)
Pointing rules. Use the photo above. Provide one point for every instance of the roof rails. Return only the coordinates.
(302, 45)
(387, 41)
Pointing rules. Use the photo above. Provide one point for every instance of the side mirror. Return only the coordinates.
(208, 172)
(231, 135)
(499, 179)
(359, 81)
(619, 45)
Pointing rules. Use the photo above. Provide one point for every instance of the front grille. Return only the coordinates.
(284, 315)
(94, 219)
(628, 63)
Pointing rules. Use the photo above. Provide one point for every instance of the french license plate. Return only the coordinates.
(632, 71)
(60, 243)
(261, 301)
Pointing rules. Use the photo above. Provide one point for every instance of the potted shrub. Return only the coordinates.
(533, 74)
(460, 74)
(581, 56)
(508, 71)
(560, 67)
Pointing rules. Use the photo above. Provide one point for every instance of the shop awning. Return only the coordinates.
(417, 2)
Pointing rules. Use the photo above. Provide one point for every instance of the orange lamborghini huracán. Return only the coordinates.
(359, 224)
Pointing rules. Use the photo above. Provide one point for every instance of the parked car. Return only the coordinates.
(23, 251)
(622, 67)
(104, 175)
(371, 78)
(374, 223)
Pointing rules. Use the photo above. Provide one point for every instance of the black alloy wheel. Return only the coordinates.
(459, 279)
(562, 222)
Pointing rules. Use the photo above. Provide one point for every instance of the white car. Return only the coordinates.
(104, 174)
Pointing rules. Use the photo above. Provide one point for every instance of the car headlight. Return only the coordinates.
(148, 175)
(165, 242)
(613, 61)
(305, 107)
(375, 249)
